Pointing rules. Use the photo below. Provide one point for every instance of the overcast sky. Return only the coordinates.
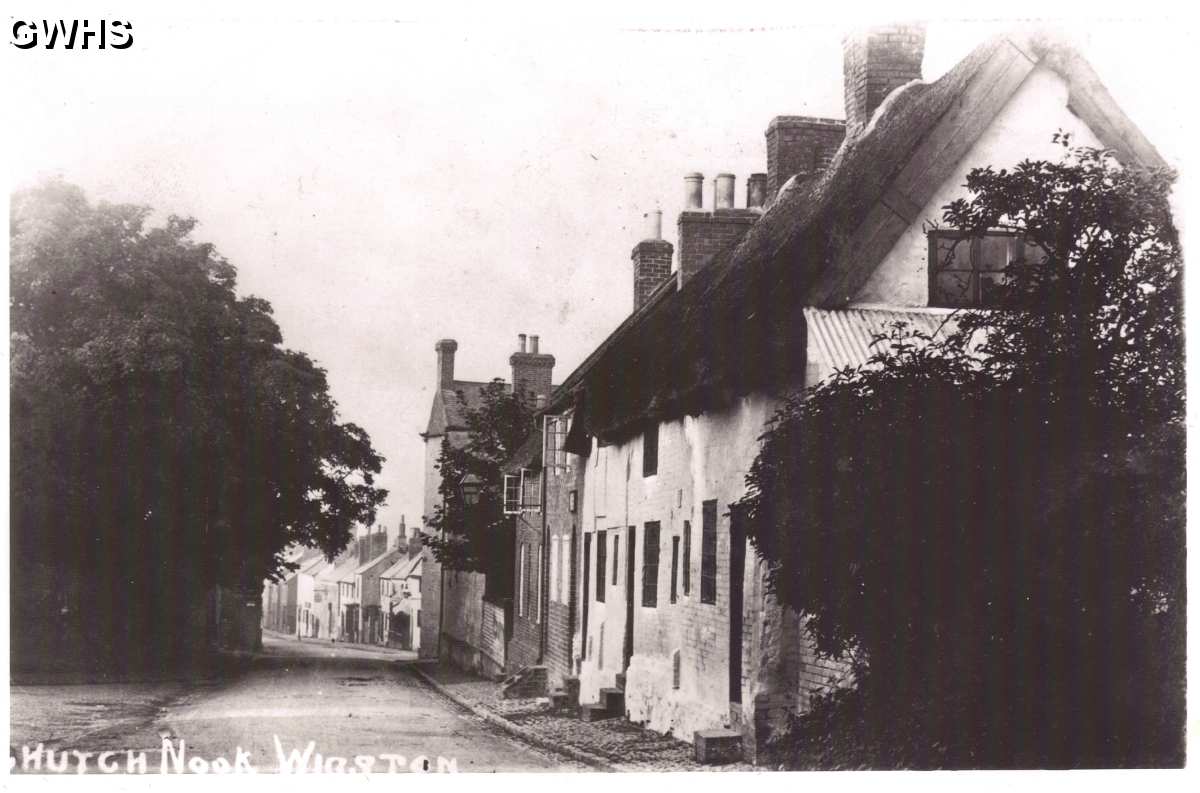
(385, 183)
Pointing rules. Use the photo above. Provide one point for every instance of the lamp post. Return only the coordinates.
(470, 486)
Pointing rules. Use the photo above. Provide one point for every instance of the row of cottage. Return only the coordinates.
(633, 586)
(369, 594)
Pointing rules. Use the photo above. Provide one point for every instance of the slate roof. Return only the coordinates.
(528, 454)
(345, 570)
(367, 565)
(403, 568)
(450, 406)
(735, 326)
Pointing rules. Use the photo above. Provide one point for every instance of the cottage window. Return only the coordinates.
(616, 557)
(708, 553)
(650, 565)
(531, 491)
(522, 577)
(650, 450)
(555, 592)
(674, 568)
(601, 563)
(537, 587)
(554, 438)
(687, 558)
(965, 271)
(512, 494)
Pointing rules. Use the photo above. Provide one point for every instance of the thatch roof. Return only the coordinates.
(737, 326)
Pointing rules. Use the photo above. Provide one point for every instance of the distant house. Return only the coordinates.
(311, 621)
(347, 604)
(371, 630)
(274, 598)
(400, 601)
(834, 243)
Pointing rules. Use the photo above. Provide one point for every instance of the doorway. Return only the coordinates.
(737, 570)
(630, 548)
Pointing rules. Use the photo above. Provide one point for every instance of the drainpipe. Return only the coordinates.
(544, 589)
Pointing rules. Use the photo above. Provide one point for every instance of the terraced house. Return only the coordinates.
(674, 626)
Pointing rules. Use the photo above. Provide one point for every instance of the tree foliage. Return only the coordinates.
(163, 440)
(477, 536)
(989, 525)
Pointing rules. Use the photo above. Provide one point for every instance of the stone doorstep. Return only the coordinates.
(613, 700)
(714, 747)
(595, 712)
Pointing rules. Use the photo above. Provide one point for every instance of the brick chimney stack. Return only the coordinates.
(704, 234)
(800, 145)
(876, 62)
(414, 542)
(532, 371)
(651, 261)
(445, 362)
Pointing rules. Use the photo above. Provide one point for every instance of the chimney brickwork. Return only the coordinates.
(875, 63)
(704, 234)
(800, 145)
(533, 371)
(445, 362)
(651, 266)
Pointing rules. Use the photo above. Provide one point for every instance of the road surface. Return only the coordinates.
(298, 706)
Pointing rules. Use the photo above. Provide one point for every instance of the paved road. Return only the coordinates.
(343, 702)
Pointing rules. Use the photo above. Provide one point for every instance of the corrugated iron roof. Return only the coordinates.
(843, 337)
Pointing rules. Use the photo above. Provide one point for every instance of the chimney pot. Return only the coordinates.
(533, 344)
(521, 342)
(756, 191)
(723, 191)
(693, 191)
(655, 225)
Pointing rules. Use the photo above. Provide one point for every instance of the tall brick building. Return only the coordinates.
(669, 605)
(459, 622)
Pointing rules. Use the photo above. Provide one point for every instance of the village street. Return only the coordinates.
(348, 701)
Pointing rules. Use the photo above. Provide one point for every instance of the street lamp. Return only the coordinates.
(471, 486)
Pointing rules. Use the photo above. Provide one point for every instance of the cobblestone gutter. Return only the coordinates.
(608, 745)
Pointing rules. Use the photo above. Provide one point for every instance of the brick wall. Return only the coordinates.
(704, 234)
(562, 564)
(800, 144)
(524, 648)
(651, 266)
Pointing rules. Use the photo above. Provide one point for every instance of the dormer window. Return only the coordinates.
(964, 271)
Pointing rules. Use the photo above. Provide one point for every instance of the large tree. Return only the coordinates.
(163, 441)
(478, 536)
(990, 526)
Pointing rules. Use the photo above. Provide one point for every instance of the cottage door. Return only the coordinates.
(737, 571)
(587, 591)
(405, 630)
(630, 546)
